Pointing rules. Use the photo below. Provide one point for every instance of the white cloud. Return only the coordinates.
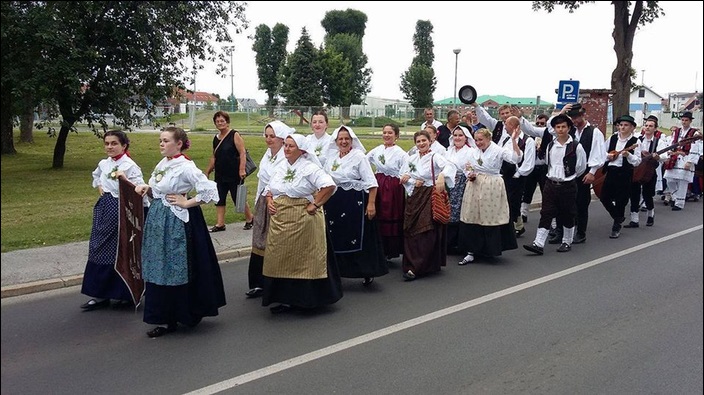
(506, 47)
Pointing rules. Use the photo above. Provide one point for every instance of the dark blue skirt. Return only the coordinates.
(100, 280)
(202, 295)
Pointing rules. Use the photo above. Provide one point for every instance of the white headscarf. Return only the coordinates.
(302, 144)
(281, 130)
(470, 140)
(355, 140)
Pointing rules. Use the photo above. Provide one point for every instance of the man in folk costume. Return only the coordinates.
(649, 144)
(621, 159)
(592, 141)
(514, 175)
(679, 169)
(566, 160)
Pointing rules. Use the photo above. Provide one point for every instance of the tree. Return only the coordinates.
(623, 34)
(270, 47)
(334, 69)
(418, 83)
(100, 58)
(301, 75)
(344, 31)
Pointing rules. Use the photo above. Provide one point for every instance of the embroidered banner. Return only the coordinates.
(129, 250)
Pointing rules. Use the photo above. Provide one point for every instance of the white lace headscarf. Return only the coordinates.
(302, 144)
(356, 144)
(281, 130)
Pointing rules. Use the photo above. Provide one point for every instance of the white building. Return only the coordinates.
(378, 106)
(645, 100)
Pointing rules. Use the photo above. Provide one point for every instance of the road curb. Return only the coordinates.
(71, 281)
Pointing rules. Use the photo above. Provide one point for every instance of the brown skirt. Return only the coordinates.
(425, 241)
(296, 246)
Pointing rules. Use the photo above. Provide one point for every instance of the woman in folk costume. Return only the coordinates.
(425, 241)
(485, 228)
(457, 153)
(179, 264)
(274, 134)
(388, 158)
(319, 141)
(351, 212)
(299, 268)
(100, 279)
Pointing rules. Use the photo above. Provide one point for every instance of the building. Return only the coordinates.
(379, 106)
(645, 100)
(201, 100)
(683, 101)
(247, 105)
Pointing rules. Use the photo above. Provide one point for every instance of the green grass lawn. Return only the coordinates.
(42, 206)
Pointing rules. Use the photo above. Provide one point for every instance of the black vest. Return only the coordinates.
(653, 143)
(508, 169)
(569, 161)
(612, 146)
(498, 131)
(586, 139)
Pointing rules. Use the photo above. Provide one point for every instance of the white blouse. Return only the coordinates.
(180, 176)
(489, 161)
(459, 157)
(352, 171)
(435, 147)
(267, 167)
(418, 168)
(103, 175)
(298, 180)
(388, 160)
(319, 146)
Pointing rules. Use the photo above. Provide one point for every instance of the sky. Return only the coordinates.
(506, 47)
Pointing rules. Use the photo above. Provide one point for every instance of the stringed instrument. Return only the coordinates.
(600, 174)
(645, 171)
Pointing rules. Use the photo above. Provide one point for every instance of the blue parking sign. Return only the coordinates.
(568, 91)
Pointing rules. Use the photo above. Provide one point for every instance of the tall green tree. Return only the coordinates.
(270, 47)
(344, 32)
(625, 25)
(334, 69)
(109, 57)
(301, 76)
(418, 83)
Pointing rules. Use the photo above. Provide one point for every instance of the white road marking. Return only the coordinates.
(323, 352)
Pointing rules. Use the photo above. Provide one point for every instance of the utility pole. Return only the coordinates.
(454, 100)
(231, 49)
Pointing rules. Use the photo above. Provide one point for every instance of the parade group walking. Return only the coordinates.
(325, 208)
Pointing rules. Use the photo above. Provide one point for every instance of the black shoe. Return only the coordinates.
(217, 228)
(254, 292)
(282, 308)
(631, 225)
(524, 218)
(675, 208)
(615, 234)
(161, 331)
(534, 248)
(579, 238)
(650, 221)
(409, 276)
(564, 247)
(520, 232)
(95, 305)
(248, 225)
(367, 281)
(555, 240)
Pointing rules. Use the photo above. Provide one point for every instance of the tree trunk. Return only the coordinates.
(27, 125)
(60, 147)
(624, 31)
(7, 144)
(345, 112)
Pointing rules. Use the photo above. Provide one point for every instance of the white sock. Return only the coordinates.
(553, 224)
(634, 217)
(651, 213)
(469, 257)
(524, 209)
(567, 235)
(541, 236)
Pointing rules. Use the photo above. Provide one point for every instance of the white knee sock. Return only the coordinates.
(524, 209)
(651, 213)
(541, 236)
(634, 217)
(567, 235)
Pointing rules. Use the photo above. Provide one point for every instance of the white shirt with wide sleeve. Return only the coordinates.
(301, 179)
(490, 160)
(103, 175)
(388, 160)
(352, 171)
(418, 168)
(181, 176)
(267, 166)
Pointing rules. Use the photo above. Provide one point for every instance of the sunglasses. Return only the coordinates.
(540, 124)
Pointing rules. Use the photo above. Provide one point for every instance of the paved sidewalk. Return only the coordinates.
(46, 268)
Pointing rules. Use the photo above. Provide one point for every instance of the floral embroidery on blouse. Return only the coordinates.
(335, 165)
(290, 175)
(412, 166)
(113, 173)
(318, 149)
(382, 160)
(159, 174)
(272, 159)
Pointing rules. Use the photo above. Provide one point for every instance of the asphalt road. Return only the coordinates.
(610, 317)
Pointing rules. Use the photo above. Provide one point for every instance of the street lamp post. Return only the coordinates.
(454, 100)
(231, 49)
